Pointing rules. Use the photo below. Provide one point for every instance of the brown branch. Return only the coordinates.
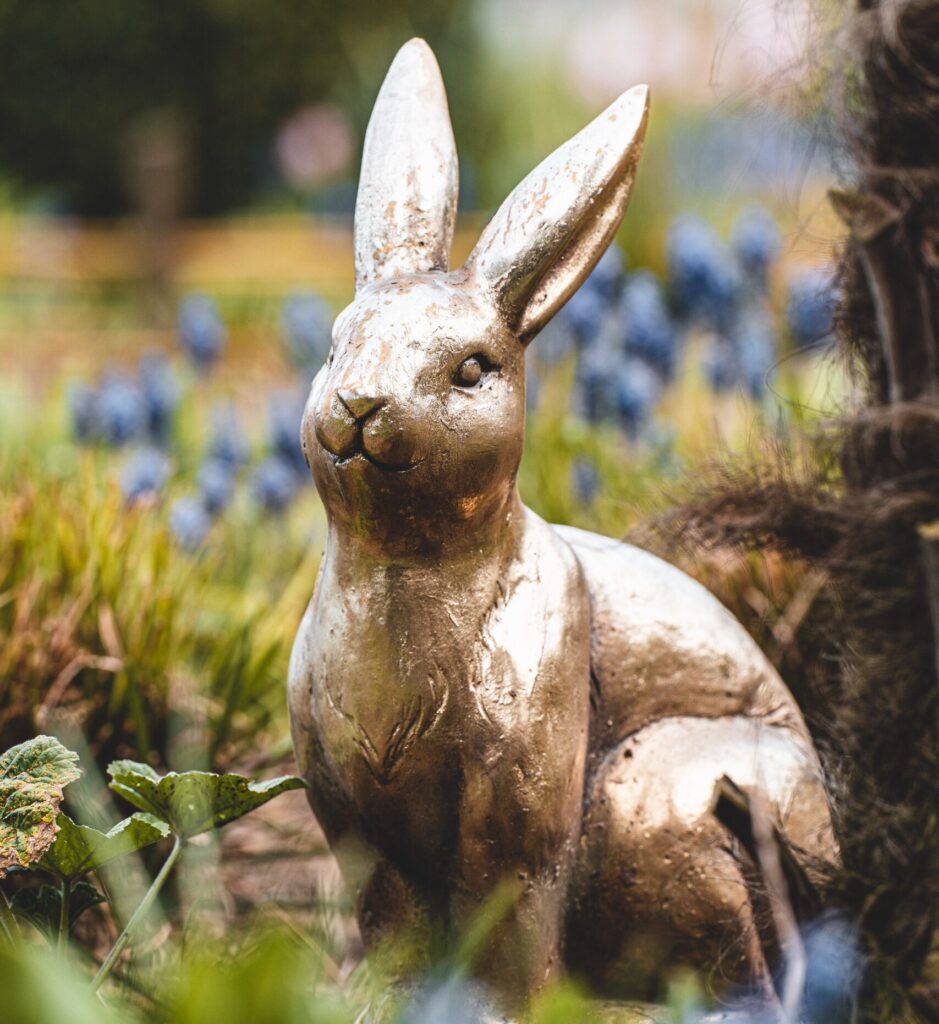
(746, 815)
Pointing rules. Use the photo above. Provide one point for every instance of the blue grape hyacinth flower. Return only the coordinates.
(584, 314)
(648, 330)
(453, 1000)
(755, 343)
(121, 410)
(834, 970)
(144, 475)
(756, 242)
(216, 482)
(229, 442)
(307, 325)
(637, 389)
(189, 522)
(585, 480)
(595, 300)
(285, 416)
(811, 306)
(201, 331)
(703, 276)
(721, 364)
(160, 391)
(606, 278)
(274, 484)
(597, 365)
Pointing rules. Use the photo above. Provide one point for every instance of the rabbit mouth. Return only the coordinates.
(362, 456)
(347, 437)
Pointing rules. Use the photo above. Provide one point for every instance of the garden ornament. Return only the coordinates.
(478, 698)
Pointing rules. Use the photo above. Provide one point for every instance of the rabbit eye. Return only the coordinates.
(469, 373)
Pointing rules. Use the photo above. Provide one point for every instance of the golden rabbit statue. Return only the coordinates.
(477, 695)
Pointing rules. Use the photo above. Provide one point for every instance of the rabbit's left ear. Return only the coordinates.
(550, 232)
(406, 205)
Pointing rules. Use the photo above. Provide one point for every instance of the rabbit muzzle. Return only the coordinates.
(355, 424)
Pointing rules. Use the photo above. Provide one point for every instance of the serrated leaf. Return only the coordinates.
(32, 776)
(80, 848)
(43, 906)
(194, 802)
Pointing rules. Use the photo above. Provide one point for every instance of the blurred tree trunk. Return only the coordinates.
(893, 219)
(156, 175)
(927, 989)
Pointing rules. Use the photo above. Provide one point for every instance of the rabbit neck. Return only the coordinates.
(410, 619)
(438, 543)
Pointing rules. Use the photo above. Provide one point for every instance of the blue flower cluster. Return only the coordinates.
(139, 410)
(144, 475)
(628, 331)
(810, 306)
(703, 277)
(189, 522)
(123, 409)
(283, 471)
(626, 343)
(201, 331)
(307, 326)
(191, 516)
(273, 482)
(724, 291)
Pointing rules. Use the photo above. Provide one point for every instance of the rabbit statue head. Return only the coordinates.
(415, 424)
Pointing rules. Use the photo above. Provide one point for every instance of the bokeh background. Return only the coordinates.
(177, 183)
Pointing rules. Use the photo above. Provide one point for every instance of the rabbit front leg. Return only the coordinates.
(523, 766)
(530, 870)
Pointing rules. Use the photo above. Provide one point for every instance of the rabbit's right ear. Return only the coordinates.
(547, 236)
(406, 205)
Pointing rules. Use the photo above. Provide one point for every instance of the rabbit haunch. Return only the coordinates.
(476, 695)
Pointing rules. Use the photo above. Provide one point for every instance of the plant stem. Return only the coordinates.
(7, 920)
(64, 922)
(155, 886)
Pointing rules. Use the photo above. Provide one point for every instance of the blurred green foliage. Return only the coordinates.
(265, 971)
(77, 77)
(103, 616)
(265, 976)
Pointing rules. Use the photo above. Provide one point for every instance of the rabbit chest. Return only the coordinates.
(409, 688)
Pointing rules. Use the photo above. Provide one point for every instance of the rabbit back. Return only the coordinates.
(663, 646)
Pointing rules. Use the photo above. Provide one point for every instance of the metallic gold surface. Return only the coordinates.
(477, 696)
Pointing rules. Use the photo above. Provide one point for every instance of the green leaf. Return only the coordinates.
(43, 906)
(194, 802)
(80, 848)
(32, 776)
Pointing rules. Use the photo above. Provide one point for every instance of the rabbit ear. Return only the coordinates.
(550, 232)
(406, 204)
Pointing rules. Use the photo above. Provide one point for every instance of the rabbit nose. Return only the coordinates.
(360, 406)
